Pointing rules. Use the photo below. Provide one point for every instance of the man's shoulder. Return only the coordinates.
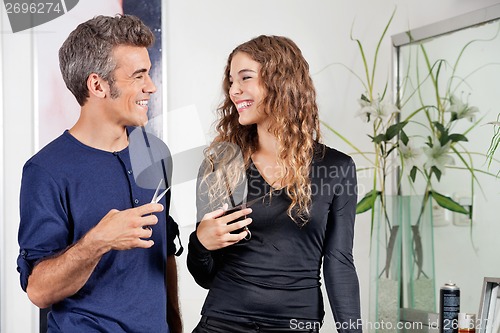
(53, 151)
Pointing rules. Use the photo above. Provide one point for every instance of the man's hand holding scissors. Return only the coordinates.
(128, 229)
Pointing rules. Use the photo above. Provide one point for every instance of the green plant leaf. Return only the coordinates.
(367, 202)
(495, 141)
(439, 127)
(413, 173)
(457, 137)
(448, 203)
(404, 137)
(429, 142)
(454, 116)
(437, 172)
(394, 130)
(379, 138)
(372, 80)
(443, 133)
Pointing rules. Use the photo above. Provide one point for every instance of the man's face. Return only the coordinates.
(130, 92)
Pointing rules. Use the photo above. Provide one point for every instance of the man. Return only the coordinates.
(92, 247)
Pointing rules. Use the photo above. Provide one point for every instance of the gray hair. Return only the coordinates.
(88, 49)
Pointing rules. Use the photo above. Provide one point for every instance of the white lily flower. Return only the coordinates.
(438, 156)
(410, 154)
(387, 109)
(462, 110)
(367, 109)
(376, 109)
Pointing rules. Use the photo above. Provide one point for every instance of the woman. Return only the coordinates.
(263, 271)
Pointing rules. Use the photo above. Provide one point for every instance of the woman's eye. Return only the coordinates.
(246, 78)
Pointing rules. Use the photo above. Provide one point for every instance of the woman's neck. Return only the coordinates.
(267, 142)
(265, 158)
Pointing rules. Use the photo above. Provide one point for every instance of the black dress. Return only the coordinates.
(274, 278)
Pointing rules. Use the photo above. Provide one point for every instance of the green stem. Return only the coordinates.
(426, 198)
(343, 138)
(378, 48)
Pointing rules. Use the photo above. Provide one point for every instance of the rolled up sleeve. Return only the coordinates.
(44, 224)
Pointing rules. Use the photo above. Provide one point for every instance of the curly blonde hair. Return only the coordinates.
(290, 102)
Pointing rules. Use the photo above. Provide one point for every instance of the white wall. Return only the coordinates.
(1, 186)
(200, 35)
(17, 109)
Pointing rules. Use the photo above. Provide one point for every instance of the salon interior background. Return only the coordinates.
(198, 36)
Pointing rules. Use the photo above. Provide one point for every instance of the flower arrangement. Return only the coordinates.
(415, 139)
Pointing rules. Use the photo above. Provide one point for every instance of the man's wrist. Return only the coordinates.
(91, 246)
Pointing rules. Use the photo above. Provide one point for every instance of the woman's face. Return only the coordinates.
(246, 90)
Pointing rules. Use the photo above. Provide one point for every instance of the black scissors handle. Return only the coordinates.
(248, 204)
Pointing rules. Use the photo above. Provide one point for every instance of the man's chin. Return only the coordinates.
(142, 122)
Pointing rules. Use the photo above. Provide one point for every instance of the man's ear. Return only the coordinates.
(97, 86)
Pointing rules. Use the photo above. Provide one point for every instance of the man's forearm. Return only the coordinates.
(61, 276)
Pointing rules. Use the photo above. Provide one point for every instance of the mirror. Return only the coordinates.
(463, 55)
(489, 310)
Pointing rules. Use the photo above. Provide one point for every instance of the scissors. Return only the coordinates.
(157, 198)
(243, 206)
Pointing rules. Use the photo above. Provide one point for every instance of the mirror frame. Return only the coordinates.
(444, 27)
(487, 309)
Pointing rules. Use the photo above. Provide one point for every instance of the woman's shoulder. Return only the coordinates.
(330, 156)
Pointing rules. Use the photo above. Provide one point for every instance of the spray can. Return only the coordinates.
(449, 307)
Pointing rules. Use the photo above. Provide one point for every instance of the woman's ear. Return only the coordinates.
(97, 86)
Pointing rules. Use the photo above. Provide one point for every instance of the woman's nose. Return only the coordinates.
(234, 89)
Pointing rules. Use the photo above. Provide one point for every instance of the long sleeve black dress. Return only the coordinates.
(275, 276)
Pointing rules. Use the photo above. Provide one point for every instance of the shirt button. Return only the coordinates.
(129, 172)
(136, 201)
